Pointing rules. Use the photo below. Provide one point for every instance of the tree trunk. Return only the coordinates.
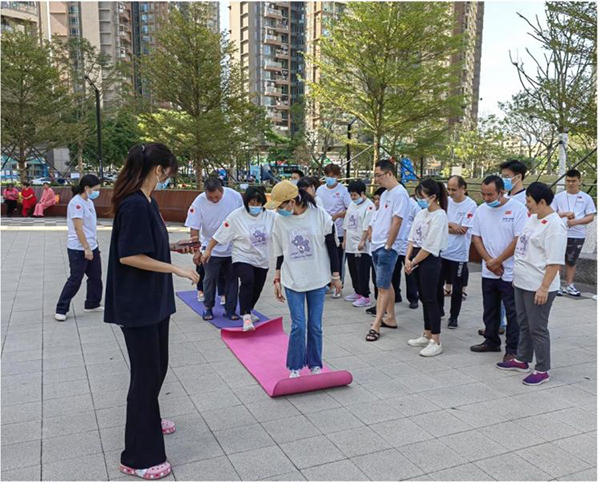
(80, 159)
(198, 168)
(22, 167)
(376, 145)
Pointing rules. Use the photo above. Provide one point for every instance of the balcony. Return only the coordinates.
(281, 26)
(281, 79)
(272, 39)
(272, 65)
(272, 91)
(23, 7)
(274, 116)
(282, 53)
(273, 13)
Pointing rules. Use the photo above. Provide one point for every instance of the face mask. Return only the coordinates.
(493, 204)
(329, 181)
(283, 212)
(422, 203)
(358, 201)
(163, 185)
(255, 210)
(93, 195)
(508, 184)
(294, 182)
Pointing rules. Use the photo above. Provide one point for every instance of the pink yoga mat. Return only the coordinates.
(263, 353)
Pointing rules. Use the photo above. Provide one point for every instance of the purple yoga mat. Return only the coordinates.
(263, 352)
(219, 320)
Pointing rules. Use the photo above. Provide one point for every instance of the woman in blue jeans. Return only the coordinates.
(306, 250)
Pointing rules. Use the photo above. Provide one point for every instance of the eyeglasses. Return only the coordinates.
(377, 175)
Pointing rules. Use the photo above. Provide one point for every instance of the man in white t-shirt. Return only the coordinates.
(497, 226)
(513, 173)
(386, 243)
(577, 209)
(455, 259)
(336, 200)
(205, 216)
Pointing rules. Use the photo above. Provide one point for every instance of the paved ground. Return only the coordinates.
(453, 417)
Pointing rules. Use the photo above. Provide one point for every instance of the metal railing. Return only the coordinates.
(25, 7)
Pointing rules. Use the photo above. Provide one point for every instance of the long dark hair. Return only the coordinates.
(86, 181)
(140, 160)
(305, 199)
(430, 188)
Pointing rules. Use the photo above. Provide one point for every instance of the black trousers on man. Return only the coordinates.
(212, 268)
(455, 273)
(251, 282)
(148, 349)
(359, 266)
(80, 266)
(412, 292)
(495, 292)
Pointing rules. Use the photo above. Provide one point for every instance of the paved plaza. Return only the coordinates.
(405, 417)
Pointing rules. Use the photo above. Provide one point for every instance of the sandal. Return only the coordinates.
(152, 473)
(232, 316)
(207, 315)
(447, 292)
(464, 295)
(168, 427)
(373, 335)
(385, 325)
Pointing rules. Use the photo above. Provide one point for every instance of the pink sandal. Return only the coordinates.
(152, 473)
(168, 427)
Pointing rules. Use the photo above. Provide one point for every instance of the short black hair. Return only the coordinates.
(386, 166)
(307, 181)
(332, 169)
(213, 184)
(26, 184)
(496, 180)
(379, 192)
(254, 193)
(299, 172)
(357, 186)
(540, 191)
(573, 173)
(516, 166)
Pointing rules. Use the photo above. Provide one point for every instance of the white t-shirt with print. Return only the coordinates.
(518, 197)
(497, 228)
(392, 203)
(413, 210)
(462, 214)
(250, 236)
(356, 221)
(207, 217)
(581, 204)
(542, 242)
(335, 200)
(300, 239)
(319, 202)
(85, 210)
(429, 231)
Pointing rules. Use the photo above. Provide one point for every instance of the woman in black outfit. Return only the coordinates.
(140, 299)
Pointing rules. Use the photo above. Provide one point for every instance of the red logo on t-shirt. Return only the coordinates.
(544, 222)
(469, 215)
(226, 224)
(386, 206)
(371, 207)
(78, 207)
(508, 212)
(192, 210)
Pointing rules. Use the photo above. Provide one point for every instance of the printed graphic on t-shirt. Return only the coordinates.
(522, 243)
(258, 235)
(300, 247)
(419, 235)
(508, 216)
(352, 222)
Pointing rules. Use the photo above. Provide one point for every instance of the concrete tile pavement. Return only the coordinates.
(453, 417)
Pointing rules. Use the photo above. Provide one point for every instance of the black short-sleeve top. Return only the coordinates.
(136, 297)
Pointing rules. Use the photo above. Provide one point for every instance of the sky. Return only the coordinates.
(503, 30)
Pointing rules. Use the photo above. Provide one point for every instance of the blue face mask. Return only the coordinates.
(95, 194)
(508, 184)
(422, 203)
(493, 204)
(163, 185)
(358, 201)
(329, 181)
(294, 182)
(283, 212)
(255, 210)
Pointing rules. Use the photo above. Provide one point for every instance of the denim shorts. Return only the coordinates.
(384, 262)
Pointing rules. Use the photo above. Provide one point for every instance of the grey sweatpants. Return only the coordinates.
(534, 337)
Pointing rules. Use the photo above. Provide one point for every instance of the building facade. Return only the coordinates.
(22, 16)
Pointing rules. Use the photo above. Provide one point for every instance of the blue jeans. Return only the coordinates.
(502, 316)
(305, 347)
(385, 263)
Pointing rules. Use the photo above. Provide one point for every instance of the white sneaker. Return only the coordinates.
(561, 291)
(295, 374)
(352, 297)
(315, 370)
(248, 326)
(99, 309)
(432, 349)
(60, 317)
(222, 300)
(336, 295)
(200, 297)
(420, 341)
(571, 290)
(255, 318)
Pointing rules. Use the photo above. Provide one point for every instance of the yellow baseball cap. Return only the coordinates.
(283, 192)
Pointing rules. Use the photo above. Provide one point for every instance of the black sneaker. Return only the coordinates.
(414, 305)
(398, 299)
(452, 323)
(372, 311)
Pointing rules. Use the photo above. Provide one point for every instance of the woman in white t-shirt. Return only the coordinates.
(539, 255)
(249, 228)
(306, 251)
(428, 238)
(82, 249)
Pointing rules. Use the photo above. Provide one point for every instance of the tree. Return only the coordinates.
(209, 118)
(387, 64)
(33, 99)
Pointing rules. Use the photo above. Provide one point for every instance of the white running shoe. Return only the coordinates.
(315, 370)
(248, 326)
(571, 290)
(295, 374)
(420, 341)
(363, 302)
(99, 309)
(561, 291)
(352, 297)
(200, 297)
(222, 300)
(432, 349)
(60, 317)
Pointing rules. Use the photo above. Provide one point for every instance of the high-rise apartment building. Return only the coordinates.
(269, 37)
(19, 16)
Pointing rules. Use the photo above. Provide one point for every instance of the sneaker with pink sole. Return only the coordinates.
(363, 302)
(352, 297)
(151, 474)
(537, 378)
(168, 427)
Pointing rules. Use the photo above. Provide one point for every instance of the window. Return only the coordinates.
(145, 29)
(74, 31)
(73, 9)
(144, 17)
(73, 21)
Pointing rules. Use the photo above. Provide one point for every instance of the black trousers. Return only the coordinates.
(148, 350)
(213, 268)
(251, 282)
(340, 252)
(80, 266)
(359, 266)
(220, 282)
(412, 292)
(11, 206)
(427, 276)
(374, 278)
(495, 292)
(455, 273)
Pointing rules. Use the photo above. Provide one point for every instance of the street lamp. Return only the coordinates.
(348, 147)
(98, 125)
